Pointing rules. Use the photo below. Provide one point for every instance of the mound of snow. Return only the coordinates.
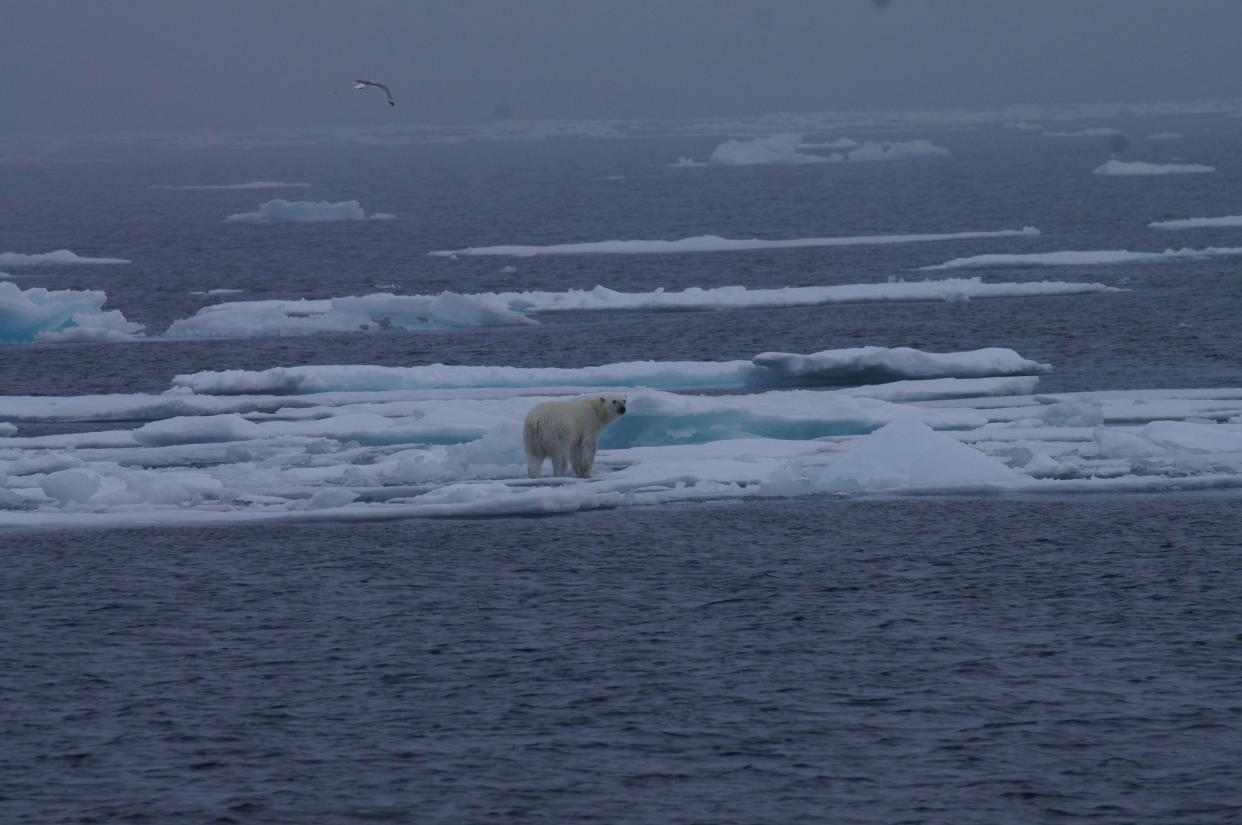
(1097, 257)
(250, 184)
(38, 314)
(283, 211)
(367, 313)
(1138, 167)
(714, 243)
(909, 454)
(1198, 223)
(57, 258)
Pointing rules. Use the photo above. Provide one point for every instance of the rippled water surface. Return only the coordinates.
(927, 660)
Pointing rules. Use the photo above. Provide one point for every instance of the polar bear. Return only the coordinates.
(568, 433)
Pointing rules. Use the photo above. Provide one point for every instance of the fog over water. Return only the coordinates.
(175, 64)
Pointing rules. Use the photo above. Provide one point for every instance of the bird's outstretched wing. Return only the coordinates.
(362, 84)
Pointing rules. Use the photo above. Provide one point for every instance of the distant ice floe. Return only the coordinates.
(783, 149)
(1096, 257)
(60, 257)
(1165, 136)
(250, 184)
(383, 311)
(283, 211)
(854, 366)
(374, 313)
(195, 456)
(715, 243)
(62, 315)
(1023, 125)
(1101, 131)
(1138, 167)
(218, 291)
(1225, 221)
(839, 143)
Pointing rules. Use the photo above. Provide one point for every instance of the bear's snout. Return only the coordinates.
(621, 409)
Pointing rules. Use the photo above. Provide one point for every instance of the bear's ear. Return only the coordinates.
(602, 400)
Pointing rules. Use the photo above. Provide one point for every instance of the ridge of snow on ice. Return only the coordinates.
(1198, 223)
(715, 243)
(1138, 167)
(1096, 257)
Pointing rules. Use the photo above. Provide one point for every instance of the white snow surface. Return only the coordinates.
(1226, 221)
(58, 257)
(1138, 167)
(250, 184)
(784, 149)
(383, 311)
(280, 210)
(857, 365)
(1095, 257)
(60, 315)
(715, 243)
(196, 457)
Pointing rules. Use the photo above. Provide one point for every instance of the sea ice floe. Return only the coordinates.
(1094, 257)
(1137, 167)
(64, 315)
(715, 243)
(1098, 131)
(283, 211)
(202, 458)
(784, 149)
(1223, 222)
(384, 311)
(59, 257)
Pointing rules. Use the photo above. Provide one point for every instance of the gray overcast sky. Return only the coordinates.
(100, 65)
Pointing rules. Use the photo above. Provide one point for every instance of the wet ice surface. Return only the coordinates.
(927, 660)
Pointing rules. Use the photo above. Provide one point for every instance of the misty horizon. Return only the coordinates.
(175, 66)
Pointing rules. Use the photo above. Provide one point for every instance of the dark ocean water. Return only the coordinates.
(932, 660)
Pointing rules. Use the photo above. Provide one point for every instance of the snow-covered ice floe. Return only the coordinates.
(283, 211)
(1223, 222)
(1138, 167)
(447, 441)
(714, 243)
(59, 257)
(60, 315)
(384, 311)
(784, 149)
(1094, 257)
(250, 184)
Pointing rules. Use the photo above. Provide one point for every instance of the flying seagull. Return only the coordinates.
(362, 84)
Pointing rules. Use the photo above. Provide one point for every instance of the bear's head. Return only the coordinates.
(609, 407)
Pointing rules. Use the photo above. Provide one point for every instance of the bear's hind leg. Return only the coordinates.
(534, 466)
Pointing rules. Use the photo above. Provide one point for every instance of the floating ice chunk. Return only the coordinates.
(1138, 167)
(71, 486)
(283, 211)
(783, 149)
(217, 291)
(366, 313)
(1098, 257)
(1224, 222)
(324, 499)
(1165, 136)
(1099, 131)
(250, 184)
(684, 162)
(38, 314)
(57, 258)
(1194, 437)
(1022, 125)
(714, 243)
(839, 143)
(876, 364)
(7, 429)
(909, 454)
(1072, 414)
(382, 216)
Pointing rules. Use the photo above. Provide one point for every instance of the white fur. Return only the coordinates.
(568, 433)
